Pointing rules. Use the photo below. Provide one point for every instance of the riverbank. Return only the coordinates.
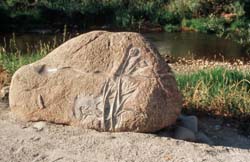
(187, 45)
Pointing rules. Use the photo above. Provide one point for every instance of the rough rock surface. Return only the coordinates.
(99, 80)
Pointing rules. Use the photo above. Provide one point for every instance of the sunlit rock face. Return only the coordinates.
(100, 80)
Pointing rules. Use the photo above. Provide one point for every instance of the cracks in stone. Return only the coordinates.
(121, 68)
(88, 42)
(109, 43)
(40, 69)
(40, 102)
(44, 70)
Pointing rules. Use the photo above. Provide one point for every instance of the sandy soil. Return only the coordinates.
(189, 66)
(27, 142)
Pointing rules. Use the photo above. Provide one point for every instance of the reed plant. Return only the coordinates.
(218, 90)
(12, 58)
(13, 61)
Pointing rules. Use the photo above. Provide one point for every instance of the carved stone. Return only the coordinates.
(99, 80)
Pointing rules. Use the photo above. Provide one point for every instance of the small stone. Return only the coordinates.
(111, 137)
(39, 126)
(201, 137)
(24, 126)
(19, 141)
(35, 155)
(35, 138)
(179, 143)
(189, 122)
(12, 149)
(184, 134)
(39, 158)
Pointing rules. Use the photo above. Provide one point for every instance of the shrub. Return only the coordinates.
(171, 28)
(211, 24)
(184, 8)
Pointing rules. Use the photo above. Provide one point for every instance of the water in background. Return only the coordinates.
(184, 45)
(197, 45)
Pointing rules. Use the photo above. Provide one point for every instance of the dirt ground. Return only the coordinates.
(4, 78)
(31, 142)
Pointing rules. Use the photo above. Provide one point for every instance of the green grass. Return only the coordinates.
(11, 58)
(13, 61)
(218, 90)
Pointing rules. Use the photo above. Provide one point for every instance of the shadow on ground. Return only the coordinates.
(222, 132)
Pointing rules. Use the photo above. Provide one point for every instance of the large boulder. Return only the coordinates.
(99, 80)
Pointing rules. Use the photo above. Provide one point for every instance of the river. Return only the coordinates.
(185, 45)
